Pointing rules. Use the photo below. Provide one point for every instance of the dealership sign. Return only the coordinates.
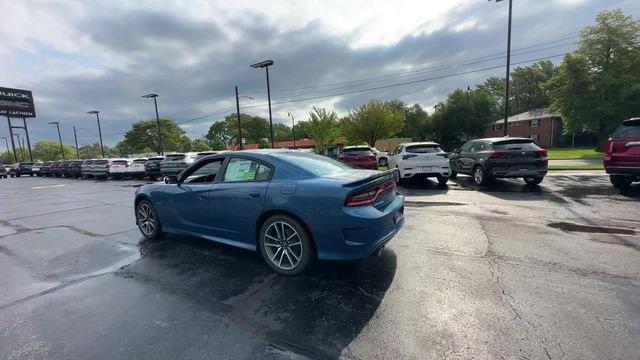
(16, 103)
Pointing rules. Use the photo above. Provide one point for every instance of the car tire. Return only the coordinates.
(285, 245)
(453, 175)
(620, 182)
(147, 220)
(480, 176)
(533, 180)
(442, 180)
(383, 162)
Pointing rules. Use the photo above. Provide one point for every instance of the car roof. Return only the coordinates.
(431, 143)
(504, 138)
(634, 121)
(356, 147)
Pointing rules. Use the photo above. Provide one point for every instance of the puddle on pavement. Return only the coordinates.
(590, 229)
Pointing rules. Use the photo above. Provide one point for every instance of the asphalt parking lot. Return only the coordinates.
(504, 272)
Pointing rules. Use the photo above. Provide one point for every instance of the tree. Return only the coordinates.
(494, 86)
(282, 132)
(322, 128)
(92, 151)
(199, 145)
(599, 86)
(373, 121)
(48, 150)
(461, 117)
(219, 135)
(527, 91)
(144, 135)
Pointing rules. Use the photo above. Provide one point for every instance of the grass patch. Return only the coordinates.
(570, 154)
(577, 167)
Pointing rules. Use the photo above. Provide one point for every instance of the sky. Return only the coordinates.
(78, 56)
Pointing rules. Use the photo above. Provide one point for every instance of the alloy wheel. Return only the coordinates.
(478, 175)
(283, 245)
(146, 219)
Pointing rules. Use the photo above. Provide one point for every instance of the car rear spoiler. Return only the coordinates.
(390, 174)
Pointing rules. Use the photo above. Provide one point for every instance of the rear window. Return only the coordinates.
(156, 159)
(627, 129)
(175, 157)
(360, 151)
(119, 162)
(100, 162)
(521, 144)
(423, 149)
(26, 163)
(139, 161)
(316, 164)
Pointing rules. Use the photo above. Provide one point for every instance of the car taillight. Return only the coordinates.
(542, 153)
(608, 147)
(497, 154)
(372, 157)
(370, 195)
(405, 157)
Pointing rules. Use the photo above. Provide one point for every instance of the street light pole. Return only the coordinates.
(75, 138)
(99, 129)
(57, 124)
(265, 64)
(155, 103)
(239, 124)
(507, 80)
(293, 129)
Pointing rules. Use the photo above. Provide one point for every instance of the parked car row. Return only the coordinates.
(483, 159)
(152, 168)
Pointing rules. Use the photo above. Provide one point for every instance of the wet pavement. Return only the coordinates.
(508, 271)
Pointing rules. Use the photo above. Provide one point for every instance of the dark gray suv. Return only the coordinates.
(487, 159)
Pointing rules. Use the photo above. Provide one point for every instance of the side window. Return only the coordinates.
(466, 147)
(246, 170)
(482, 147)
(204, 174)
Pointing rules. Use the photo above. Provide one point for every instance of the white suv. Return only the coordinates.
(420, 160)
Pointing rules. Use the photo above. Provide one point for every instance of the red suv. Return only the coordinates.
(622, 154)
(359, 156)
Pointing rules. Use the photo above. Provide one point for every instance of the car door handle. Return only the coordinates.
(202, 197)
(254, 194)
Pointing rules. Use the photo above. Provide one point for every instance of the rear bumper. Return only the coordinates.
(623, 170)
(518, 173)
(408, 173)
(357, 232)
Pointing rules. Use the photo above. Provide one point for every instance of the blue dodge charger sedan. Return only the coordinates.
(291, 206)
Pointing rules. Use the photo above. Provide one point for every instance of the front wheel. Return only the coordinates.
(533, 180)
(147, 220)
(620, 182)
(285, 245)
(480, 177)
(442, 180)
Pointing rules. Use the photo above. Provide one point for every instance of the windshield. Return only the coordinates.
(175, 157)
(100, 162)
(360, 151)
(520, 144)
(423, 149)
(120, 162)
(139, 161)
(316, 164)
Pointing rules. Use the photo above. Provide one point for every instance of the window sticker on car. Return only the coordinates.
(240, 170)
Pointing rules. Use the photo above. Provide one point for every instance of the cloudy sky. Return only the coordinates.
(83, 55)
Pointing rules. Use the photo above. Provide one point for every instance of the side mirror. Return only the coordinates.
(171, 179)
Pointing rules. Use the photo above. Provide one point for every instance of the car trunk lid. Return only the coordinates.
(624, 144)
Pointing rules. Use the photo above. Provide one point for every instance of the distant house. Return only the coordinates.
(300, 144)
(541, 125)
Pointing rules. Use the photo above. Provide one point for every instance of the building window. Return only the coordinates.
(534, 137)
(534, 123)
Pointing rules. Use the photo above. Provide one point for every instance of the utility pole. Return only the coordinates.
(75, 138)
(293, 129)
(239, 124)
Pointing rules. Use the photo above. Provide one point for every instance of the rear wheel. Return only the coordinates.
(442, 180)
(620, 182)
(383, 162)
(480, 177)
(285, 245)
(533, 180)
(147, 220)
(453, 174)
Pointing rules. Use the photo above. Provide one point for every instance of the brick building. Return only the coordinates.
(542, 126)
